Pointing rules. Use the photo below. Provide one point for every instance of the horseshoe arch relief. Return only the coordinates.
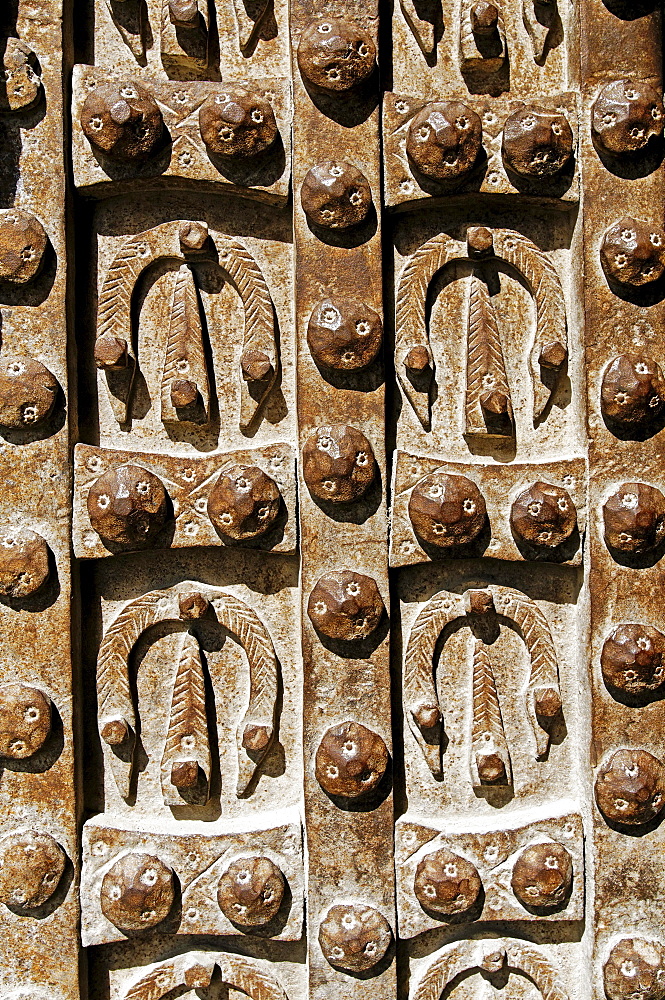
(332, 519)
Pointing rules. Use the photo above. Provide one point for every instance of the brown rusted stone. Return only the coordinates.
(547, 701)
(250, 892)
(354, 936)
(23, 243)
(114, 732)
(418, 359)
(491, 768)
(632, 393)
(626, 116)
(446, 883)
(484, 18)
(480, 241)
(192, 606)
(344, 334)
(137, 892)
(479, 602)
(444, 140)
(542, 876)
(543, 515)
(111, 353)
(632, 658)
(537, 143)
(32, 864)
(184, 13)
(338, 464)
(633, 252)
(345, 605)
(28, 392)
(184, 773)
(553, 355)
(24, 562)
(128, 506)
(256, 366)
(193, 236)
(21, 85)
(630, 787)
(335, 54)
(237, 122)
(634, 518)
(447, 510)
(25, 720)
(122, 120)
(351, 760)
(635, 970)
(255, 737)
(244, 503)
(184, 392)
(336, 195)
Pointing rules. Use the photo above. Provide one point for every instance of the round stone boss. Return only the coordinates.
(244, 503)
(630, 787)
(338, 464)
(632, 252)
(634, 518)
(626, 116)
(24, 562)
(25, 720)
(543, 515)
(632, 658)
(344, 334)
(354, 936)
(632, 393)
(23, 243)
(237, 122)
(351, 760)
(447, 510)
(251, 890)
(537, 143)
(32, 864)
(28, 392)
(543, 876)
(446, 883)
(345, 605)
(137, 892)
(335, 194)
(444, 140)
(122, 120)
(127, 506)
(336, 54)
(635, 970)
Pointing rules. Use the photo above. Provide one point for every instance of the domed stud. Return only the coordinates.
(137, 892)
(543, 516)
(128, 506)
(24, 562)
(632, 253)
(31, 867)
(634, 518)
(444, 140)
(123, 121)
(626, 116)
(238, 123)
(338, 464)
(336, 54)
(345, 605)
(351, 761)
(632, 394)
(335, 195)
(344, 335)
(28, 392)
(447, 510)
(23, 243)
(633, 659)
(630, 787)
(537, 143)
(250, 892)
(25, 720)
(543, 876)
(635, 968)
(447, 884)
(244, 503)
(354, 937)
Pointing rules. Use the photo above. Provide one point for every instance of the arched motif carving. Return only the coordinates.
(195, 970)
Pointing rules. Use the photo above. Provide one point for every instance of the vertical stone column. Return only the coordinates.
(39, 951)
(340, 388)
(624, 263)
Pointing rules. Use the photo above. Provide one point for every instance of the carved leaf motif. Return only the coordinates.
(485, 367)
(240, 973)
(187, 735)
(249, 978)
(487, 732)
(423, 28)
(469, 955)
(537, 967)
(445, 968)
(185, 357)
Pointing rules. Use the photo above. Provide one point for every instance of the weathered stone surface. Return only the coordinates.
(25, 720)
(351, 760)
(446, 883)
(447, 511)
(128, 506)
(354, 937)
(137, 892)
(251, 891)
(32, 864)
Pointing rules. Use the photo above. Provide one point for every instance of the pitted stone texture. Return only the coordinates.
(24, 562)
(632, 253)
(244, 503)
(111, 353)
(630, 787)
(137, 892)
(635, 970)
(31, 867)
(25, 720)
(122, 120)
(128, 506)
(28, 392)
(23, 243)
(338, 464)
(237, 122)
(634, 518)
(484, 18)
(444, 140)
(354, 936)
(336, 195)
(537, 143)
(543, 515)
(351, 760)
(543, 876)
(632, 394)
(336, 54)
(344, 334)
(632, 659)
(250, 892)
(447, 510)
(345, 605)
(625, 116)
(446, 883)
(22, 85)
